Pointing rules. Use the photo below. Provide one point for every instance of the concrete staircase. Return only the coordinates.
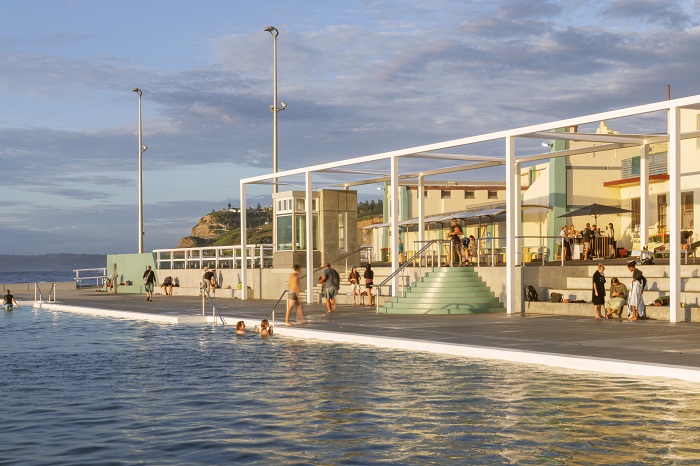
(446, 290)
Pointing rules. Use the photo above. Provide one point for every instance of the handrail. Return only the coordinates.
(220, 257)
(215, 311)
(404, 265)
(41, 295)
(272, 313)
(344, 257)
(79, 280)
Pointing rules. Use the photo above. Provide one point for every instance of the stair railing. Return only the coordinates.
(215, 311)
(344, 257)
(402, 268)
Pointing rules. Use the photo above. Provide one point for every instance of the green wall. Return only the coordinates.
(130, 267)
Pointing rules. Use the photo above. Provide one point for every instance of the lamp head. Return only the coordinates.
(272, 30)
(144, 148)
(137, 90)
(283, 105)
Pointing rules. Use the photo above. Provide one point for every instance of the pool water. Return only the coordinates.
(97, 391)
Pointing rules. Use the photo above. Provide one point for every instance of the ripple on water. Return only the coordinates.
(83, 390)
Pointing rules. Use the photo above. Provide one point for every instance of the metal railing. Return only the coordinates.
(40, 295)
(215, 311)
(271, 316)
(399, 271)
(98, 274)
(219, 257)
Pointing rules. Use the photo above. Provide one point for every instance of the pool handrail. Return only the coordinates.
(215, 311)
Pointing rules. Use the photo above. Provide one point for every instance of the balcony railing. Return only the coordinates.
(219, 257)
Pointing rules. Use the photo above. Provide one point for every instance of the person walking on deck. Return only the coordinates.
(635, 299)
(149, 280)
(331, 284)
(294, 298)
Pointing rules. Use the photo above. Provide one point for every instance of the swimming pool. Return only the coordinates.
(100, 391)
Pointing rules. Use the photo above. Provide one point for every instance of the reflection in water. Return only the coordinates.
(99, 391)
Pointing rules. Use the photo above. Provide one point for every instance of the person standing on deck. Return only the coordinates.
(456, 242)
(149, 280)
(294, 298)
(369, 283)
(635, 299)
(599, 290)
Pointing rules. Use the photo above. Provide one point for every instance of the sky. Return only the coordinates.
(358, 77)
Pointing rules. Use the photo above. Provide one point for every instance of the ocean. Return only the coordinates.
(37, 277)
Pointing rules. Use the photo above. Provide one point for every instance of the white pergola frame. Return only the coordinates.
(512, 163)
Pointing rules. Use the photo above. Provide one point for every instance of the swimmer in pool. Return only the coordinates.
(264, 329)
(240, 328)
(8, 300)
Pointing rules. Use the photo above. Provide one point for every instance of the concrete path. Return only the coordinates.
(646, 348)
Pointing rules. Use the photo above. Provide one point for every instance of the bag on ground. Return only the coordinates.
(556, 297)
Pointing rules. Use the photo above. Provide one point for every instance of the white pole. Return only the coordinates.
(141, 149)
(643, 196)
(394, 213)
(677, 314)
(513, 293)
(244, 245)
(309, 240)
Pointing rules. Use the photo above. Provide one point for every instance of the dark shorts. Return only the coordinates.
(149, 287)
(369, 284)
(330, 292)
(293, 296)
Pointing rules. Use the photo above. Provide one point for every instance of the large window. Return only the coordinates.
(636, 213)
(469, 194)
(662, 213)
(687, 210)
(341, 231)
(445, 194)
(301, 233)
(493, 195)
(284, 232)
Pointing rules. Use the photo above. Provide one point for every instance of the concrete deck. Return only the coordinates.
(640, 349)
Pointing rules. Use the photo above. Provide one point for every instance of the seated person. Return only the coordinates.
(686, 239)
(264, 329)
(618, 298)
(107, 283)
(240, 328)
(168, 286)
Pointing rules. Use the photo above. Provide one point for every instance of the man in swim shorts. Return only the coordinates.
(331, 283)
(294, 298)
(8, 300)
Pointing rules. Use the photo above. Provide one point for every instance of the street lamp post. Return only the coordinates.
(142, 149)
(274, 108)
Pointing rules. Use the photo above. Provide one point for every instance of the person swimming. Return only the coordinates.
(240, 328)
(264, 329)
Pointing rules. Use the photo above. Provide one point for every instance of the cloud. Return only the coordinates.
(656, 12)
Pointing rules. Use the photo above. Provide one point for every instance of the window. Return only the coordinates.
(284, 205)
(493, 194)
(445, 194)
(301, 204)
(341, 231)
(661, 209)
(687, 211)
(636, 213)
(301, 232)
(284, 232)
(425, 193)
(469, 194)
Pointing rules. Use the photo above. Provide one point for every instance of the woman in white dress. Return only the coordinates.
(635, 298)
